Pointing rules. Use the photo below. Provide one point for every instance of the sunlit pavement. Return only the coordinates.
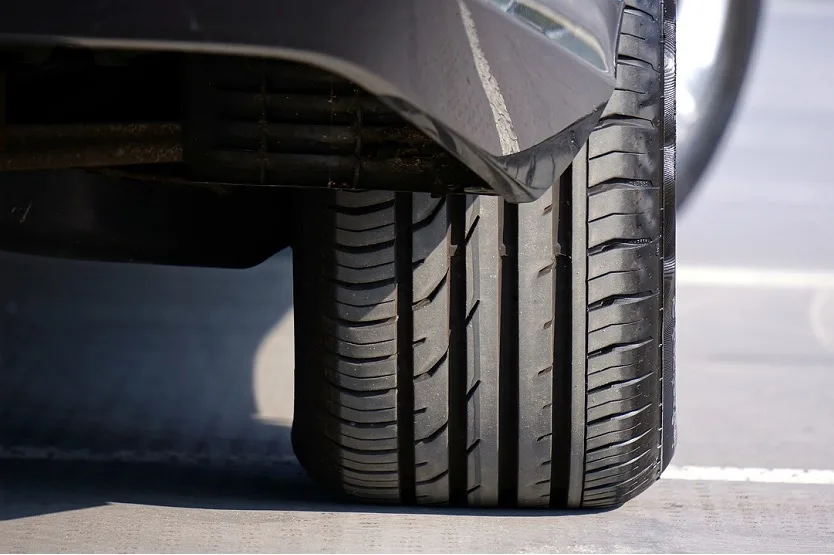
(184, 377)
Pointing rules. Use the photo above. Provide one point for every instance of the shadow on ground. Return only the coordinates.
(41, 487)
(151, 385)
(185, 367)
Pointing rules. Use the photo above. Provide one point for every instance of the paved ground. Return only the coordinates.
(185, 377)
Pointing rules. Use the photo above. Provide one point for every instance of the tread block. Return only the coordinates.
(357, 295)
(620, 283)
(634, 137)
(360, 368)
(429, 416)
(622, 165)
(623, 355)
(345, 411)
(651, 8)
(620, 405)
(619, 310)
(365, 276)
(633, 77)
(359, 314)
(616, 375)
(381, 433)
(627, 104)
(356, 334)
(626, 258)
(623, 227)
(341, 346)
(361, 239)
(363, 384)
(359, 259)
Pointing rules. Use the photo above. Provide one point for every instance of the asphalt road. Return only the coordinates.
(183, 377)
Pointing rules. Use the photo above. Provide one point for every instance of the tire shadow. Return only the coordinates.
(101, 362)
(35, 488)
(153, 385)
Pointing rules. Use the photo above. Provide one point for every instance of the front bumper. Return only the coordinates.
(513, 88)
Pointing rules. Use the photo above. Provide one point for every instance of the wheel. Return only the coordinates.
(466, 351)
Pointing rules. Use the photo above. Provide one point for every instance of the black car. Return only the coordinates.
(479, 195)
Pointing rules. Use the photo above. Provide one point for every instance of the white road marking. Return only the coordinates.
(753, 278)
(503, 122)
(760, 475)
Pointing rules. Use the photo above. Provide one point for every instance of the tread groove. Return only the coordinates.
(405, 349)
(508, 401)
(562, 325)
(472, 313)
(473, 446)
(472, 390)
(457, 350)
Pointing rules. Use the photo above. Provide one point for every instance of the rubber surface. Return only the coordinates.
(467, 351)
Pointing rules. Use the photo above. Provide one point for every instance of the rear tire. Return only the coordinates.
(464, 350)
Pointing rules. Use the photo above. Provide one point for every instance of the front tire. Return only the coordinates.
(469, 351)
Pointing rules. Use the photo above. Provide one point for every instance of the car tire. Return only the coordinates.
(468, 351)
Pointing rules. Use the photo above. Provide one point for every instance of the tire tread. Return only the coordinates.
(436, 341)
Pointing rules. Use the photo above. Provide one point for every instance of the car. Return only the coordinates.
(479, 196)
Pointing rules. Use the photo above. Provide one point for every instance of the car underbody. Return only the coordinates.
(146, 134)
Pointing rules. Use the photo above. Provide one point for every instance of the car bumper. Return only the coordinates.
(511, 87)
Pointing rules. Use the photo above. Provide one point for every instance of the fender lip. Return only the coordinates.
(512, 88)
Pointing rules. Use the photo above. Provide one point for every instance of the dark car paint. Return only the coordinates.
(512, 87)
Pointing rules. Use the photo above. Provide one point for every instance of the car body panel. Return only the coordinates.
(513, 88)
